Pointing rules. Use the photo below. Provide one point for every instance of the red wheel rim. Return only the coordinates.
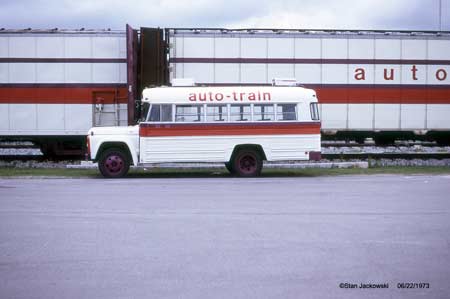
(114, 164)
(247, 164)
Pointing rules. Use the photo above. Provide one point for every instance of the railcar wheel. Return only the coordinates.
(47, 150)
(443, 141)
(114, 163)
(247, 163)
(384, 140)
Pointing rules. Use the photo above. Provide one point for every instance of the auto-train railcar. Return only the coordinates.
(378, 84)
(57, 84)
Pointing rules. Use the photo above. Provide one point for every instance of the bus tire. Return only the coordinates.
(114, 163)
(247, 163)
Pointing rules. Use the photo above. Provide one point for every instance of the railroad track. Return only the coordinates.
(334, 156)
(398, 145)
(38, 158)
(365, 156)
(17, 146)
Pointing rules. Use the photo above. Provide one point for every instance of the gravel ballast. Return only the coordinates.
(306, 164)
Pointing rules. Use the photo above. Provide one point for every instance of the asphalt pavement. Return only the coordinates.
(226, 237)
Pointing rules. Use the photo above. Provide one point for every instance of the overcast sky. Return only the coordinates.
(293, 14)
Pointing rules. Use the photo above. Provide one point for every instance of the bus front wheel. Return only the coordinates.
(247, 163)
(114, 163)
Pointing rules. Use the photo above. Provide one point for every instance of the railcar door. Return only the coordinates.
(107, 108)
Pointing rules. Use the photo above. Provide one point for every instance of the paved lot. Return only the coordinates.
(224, 237)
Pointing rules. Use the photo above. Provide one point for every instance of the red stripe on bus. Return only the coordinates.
(385, 95)
(228, 129)
(63, 95)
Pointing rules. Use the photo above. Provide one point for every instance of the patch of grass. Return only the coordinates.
(48, 172)
(192, 172)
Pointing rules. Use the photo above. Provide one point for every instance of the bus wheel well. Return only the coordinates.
(116, 145)
(250, 147)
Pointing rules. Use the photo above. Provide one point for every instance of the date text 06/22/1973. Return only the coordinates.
(400, 285)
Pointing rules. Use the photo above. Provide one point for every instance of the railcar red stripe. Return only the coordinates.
(61, 60)
(385, 95)
(63, 95)
(308, 61)
(228, 129)
(338, 94)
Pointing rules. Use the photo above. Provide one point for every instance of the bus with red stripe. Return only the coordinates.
(241, 126)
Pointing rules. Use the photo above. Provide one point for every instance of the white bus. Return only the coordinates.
(240, 126)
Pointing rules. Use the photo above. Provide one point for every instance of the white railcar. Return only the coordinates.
(240, 126)
(56, 84)
(370, 83)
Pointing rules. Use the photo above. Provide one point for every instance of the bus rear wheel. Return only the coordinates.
(247, 163)
(114, 163)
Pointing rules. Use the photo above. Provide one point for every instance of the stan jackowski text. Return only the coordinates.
(346, 285)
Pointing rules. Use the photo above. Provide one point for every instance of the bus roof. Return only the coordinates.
(228, 95)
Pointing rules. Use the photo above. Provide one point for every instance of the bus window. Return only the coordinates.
(144, 111)
(287, 112)
(314, 111)
(155, 113)
(240, 113)
(189, 113)
(263, 113)
(160, 113)
(166, 112)
(216, 113)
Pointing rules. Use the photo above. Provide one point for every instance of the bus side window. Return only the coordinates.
(154, 114)
(216, 113)
(240, 113)
(287, 112)
(160, 113)
(314, 111)
(166, 113)
(189, 113)
(263, 113)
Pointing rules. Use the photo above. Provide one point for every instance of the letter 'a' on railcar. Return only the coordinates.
(240, 126)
